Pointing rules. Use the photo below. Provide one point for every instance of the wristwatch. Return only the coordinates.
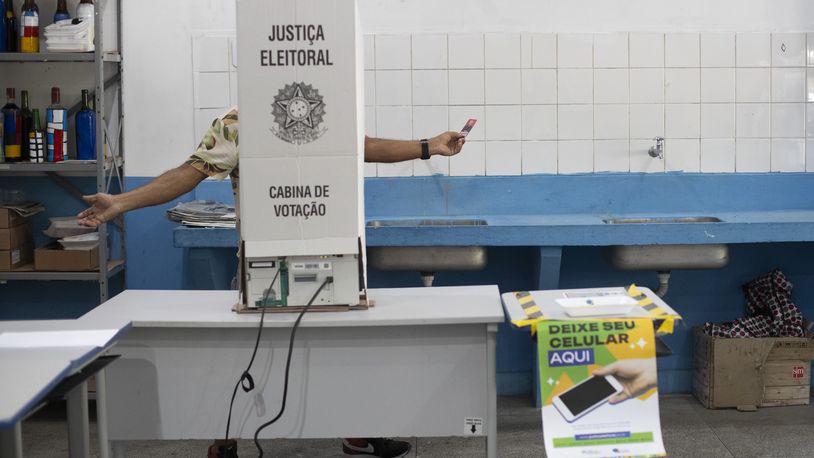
(425, 149)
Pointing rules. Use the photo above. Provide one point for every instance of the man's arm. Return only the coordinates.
(162, 189)
(381, 150)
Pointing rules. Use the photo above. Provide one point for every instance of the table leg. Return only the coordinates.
(11, 442)
(101, 414)
(78, 428)
(491, 434)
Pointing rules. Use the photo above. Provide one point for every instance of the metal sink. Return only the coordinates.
(664, 220)
(669, 257)
(425, 222)
(427, 258)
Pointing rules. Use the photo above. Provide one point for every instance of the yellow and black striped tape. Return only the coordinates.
(530, 308)
(653, 309)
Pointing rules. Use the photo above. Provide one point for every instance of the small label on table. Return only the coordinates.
(473, 426)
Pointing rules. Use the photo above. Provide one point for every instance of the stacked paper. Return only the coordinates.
(69, 35)
(204, 213)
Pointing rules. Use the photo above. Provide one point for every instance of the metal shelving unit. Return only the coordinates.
(106, 71)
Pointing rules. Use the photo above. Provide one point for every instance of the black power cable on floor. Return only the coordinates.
(288, 366)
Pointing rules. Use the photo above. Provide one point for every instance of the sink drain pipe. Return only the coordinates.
(664, 280)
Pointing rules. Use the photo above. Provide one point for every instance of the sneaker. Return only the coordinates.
(380, 447)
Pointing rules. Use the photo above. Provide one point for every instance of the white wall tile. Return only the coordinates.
(394, 122)
(539, 157)
(753, 120)
(717, 120)
(575, 85)
(611, 85)
(539, 122)
(640, 159)
(788, 84)
(459, 115)
(503, 158)
(394, 87)
(429, 51)
(539, 86)
(430, 121)
(503, 87)
(370, 121)
(683, 120)
(465, 50)
(646, 50)
(526, 50)
(430, 87)
(717, 49)
(810, 85)
(810, 39)
(682, 50)
(810, 156)
(682, 85)
(575, 50)
(211, 54)
(718, 155)
(232, 89)
(753, 49)
(810, 120)
(471, 161)
(502, 50)
(395, 169)
(788, 120)
(212, 90)
(370, 169)
(610, 50)
(682, 155)
(370, 87)
(753, 85)
(544, 50)
(646, 121)
(788, 155)
(435, 165)
(753, 155)
(575, 156)
(611, 156)
(788, 50)
(502, 122)
(718, 85)
(575, 122)
(646, 85)
(392, 52)
(370, 51)
(611, 122)
(466, 87)
(203, 120)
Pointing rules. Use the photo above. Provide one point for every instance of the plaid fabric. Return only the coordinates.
(770, 311)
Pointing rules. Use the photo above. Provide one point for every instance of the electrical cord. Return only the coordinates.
(288, 366)
(245, 376)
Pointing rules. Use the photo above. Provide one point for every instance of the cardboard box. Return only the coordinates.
(17, 257)
(10, 218)
(54, 258)
(752, 372)
(15, 237)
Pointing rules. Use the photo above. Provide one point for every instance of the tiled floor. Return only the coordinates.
(689, 431)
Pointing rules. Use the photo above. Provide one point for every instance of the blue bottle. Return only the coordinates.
(85, 131)
(3, 27)
(62, 11)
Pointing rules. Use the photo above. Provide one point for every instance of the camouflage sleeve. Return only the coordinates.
(217, 154)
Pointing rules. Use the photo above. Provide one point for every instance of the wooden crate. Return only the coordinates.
(753, 372)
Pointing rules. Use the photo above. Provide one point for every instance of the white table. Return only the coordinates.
(34, 371)
(419, 363)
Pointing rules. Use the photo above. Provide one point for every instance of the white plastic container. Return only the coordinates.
(597, 305)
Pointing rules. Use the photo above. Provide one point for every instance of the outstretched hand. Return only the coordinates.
(635, 375)
(447, 143)
(103, 209)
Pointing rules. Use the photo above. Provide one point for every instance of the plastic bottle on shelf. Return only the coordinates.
(26, 117)
(56, 124)
(36, 139)
(11, 126)
(61, 13)
(3, 27)
(10, 23)
(86, 130)
(86, 11)
(30, 27)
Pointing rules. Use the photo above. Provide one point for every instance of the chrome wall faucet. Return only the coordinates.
(658, 150)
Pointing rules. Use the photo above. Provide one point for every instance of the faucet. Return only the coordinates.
(658, 150)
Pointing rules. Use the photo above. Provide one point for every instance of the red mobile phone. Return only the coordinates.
(468, 126)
